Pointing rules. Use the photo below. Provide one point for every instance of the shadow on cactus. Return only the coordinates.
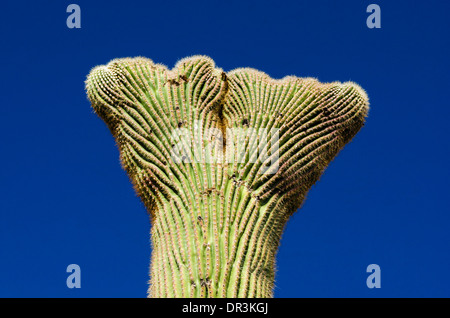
(221, 161)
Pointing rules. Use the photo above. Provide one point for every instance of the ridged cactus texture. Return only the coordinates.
(217, 223)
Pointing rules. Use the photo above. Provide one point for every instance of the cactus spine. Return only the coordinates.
(217, 224)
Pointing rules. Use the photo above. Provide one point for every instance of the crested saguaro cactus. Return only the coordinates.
(221, 161)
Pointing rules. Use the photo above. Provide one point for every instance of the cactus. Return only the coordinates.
(217, 220)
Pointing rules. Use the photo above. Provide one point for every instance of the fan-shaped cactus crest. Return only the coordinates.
(221, 161)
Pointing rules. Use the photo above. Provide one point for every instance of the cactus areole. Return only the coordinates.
(221, 161)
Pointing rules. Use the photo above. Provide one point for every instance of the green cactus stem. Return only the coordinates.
(219, 198)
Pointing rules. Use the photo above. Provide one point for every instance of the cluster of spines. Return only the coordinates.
(217, 226)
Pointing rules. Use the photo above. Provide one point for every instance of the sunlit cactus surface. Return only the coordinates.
(221, 161)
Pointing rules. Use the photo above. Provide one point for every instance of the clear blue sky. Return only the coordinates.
(385, 199)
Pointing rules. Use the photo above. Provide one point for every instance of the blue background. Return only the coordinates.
(65, 199)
